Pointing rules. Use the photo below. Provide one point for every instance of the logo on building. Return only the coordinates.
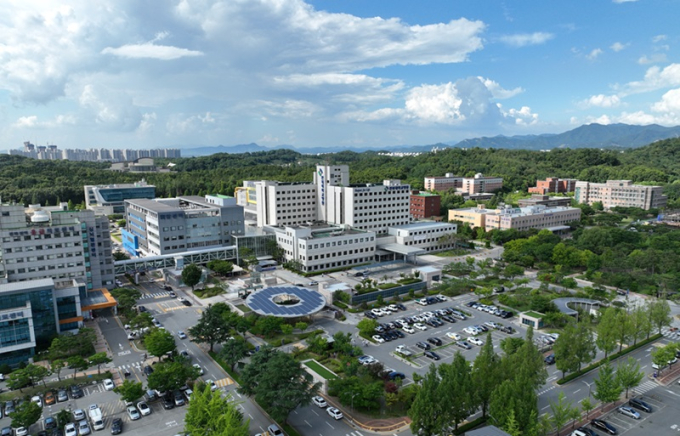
(323, 187)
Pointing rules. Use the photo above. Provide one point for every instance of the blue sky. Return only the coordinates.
(332, 73)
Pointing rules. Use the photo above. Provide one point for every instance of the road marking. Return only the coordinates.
(251, 417)
(309, 423)
(551, 378)
(673, 393)
(314, 412)
(644, 367)
(171, 423)
(329, 424)
(576, 391)
(546, 407)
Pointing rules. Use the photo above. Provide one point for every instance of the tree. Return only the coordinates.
(486, 374)
(286, 329)
(212, 328)
(623, 328)
(457, 390)
(426, 412)
(607, 331)
(119, 255)
(659, 314)
(562, 411)
(126, 298)
(64, 416)
(129, 391)
(99, 359)
(367, 326)
(159, 342)
(269, 325)
(628, 374)
(640, 323)
(209, 414)
(191, 275)
(36, 373)
(278, 383)
(170, 376)
(77, 363)
(221, 267)
(26, 414)
(510, 345)
(607, 386)
(18, 379)
(587, 406)
(56, 366)
(584, 345)
(574, 347)
(233, 352)
(662, 356)
(142, 320)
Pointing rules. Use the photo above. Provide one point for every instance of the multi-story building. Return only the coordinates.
(110, 199)
(429, 236)
(56, 243)
(269, 203)
(525, 218)
(321, 247)
(52, 152)
(175, 225)
(553, 184)
(424, 205)
(449, 181)
(621, 193)
(544, 200)
(480, 184)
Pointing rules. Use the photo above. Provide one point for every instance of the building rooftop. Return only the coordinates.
(426, 194)
(154, 205)
(26, 286)
(141, 184)
(422, 225)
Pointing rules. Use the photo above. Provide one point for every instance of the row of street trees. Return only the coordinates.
(504, 388)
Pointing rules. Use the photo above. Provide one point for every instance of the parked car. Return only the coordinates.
(454, 336)
(423, 345)
(108, 384)
(50, 398)
(378, 339)
(432, 355)
(37, 400)
(78, 414)
(168, 402)
(50, 423)
(144, 408)
(471, 331)
(401, 306)
(370, 315)
(335, 413)
(147, 370)
(181, 334)
(434, 341)
(475, 341)
(62, 395)
(9, 407)
(639, 404)
(549, 359)
(319, 402)
(629, 412)
(395, 375)
(83, 428)
(133, 413)
(419, 326)
(116, 426)
(604, 426)
(179, 398)
(507, 329)
(463, 344)
(69, 430)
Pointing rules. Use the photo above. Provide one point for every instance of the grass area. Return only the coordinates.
(454, 253)
(288, 339)
(117, 238)
(209, 292)
(243, 308)
(317, 368)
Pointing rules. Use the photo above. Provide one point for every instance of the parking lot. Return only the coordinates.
(448, 346)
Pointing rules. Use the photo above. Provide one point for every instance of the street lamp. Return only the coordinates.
(354, 395)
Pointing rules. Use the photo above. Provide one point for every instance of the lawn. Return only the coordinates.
(244, 308)
(323, 372)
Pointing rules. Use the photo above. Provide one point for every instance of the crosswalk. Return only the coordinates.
(645, 387)
(354, 433)
(224, 382)
(136, 365)
(667, 332)
(162, 294)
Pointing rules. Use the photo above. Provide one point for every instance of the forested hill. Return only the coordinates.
(34, 181)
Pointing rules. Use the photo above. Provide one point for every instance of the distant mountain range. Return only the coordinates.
(586, 136)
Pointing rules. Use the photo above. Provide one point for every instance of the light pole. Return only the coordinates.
(353, 395)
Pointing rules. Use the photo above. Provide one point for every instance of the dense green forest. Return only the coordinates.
(34, 181)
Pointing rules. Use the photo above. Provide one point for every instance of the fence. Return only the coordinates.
(387, 293)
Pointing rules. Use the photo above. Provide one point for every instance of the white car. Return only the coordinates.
(78, 414)
(475, 341)
(471, 331)
(335, 413)
(378, 339)
(70, 429)
(21, 431)
(454, 336)
(37, 400)
(213, 386)
(83, 428)
(108, 384)
(181, 334)
(420, 326)
(419, 318)
(393, 308)
(320, 402)
(144, 408)
(408, 329)
(198, 367)
(377, 312)
(133, 413)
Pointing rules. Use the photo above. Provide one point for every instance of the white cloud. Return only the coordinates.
(652, 59)
(655, 78)
(151, 51)
(670, 102)
(32, 122)
(524, 39)
(594, 54)
(659, 38)
(618, 46)
(601, 100)
(498, 91)
(522, 116)
(182, 124)
(109, 108)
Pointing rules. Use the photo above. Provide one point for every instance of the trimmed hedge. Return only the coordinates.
(340, 304)
(613, 357)
(471, 425)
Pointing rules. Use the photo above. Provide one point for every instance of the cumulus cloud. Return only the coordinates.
(655, 78)
(659, 38)
(652, 59)
(618, 46)
(498, 91)
(594, 54)
(32, 122)
(151, 51)
(524, 39)
(670, 102)
(522, 116)
(601, 100)
(110, 109)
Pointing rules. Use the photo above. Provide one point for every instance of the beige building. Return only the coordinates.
(525, 218)
(445, 183)
(479, 184)
(620, 193)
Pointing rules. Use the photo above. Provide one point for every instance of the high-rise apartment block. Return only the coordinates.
(425, 205)
(622, 193)
(175, 225)
(52, 152)
(110, 199)
(553, 184)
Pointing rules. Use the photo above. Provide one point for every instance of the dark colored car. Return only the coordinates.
(50, 423)
(186, 302)
(463, 344)
(550, 359)
(400, 334)
(423, 345)
(76, 392)
(434, 341)
(369, 314)
(116, 426)
(604, 426)
(147, 370)
(168, 402)
(6, 431)
(449, 318)
(587, 431)
(432, 355)
(471, 303)
(395, 374)
(640, 405)
(141, 309)
(507, 329)
(506, 314)
(401, 306)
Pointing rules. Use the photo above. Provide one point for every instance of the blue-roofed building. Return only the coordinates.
(110, 199)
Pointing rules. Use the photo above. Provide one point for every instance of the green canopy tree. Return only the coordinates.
(659, 313)
(628, 374)
(56, 366)
(209, 414)
(18, 379)
(486, 374)
(129, 391)
(170, 376)
(623, 328)
(278, 383)
(159, 342)
(607, 386)
(212, 328)
(25, 414)
(640, 323)
(367, 326)
(126, 298)
(77, 363)
(99, 359)
(36, 373)
(233, 352)
(457, 391)
(427, 412)
(562, 410)
(191, 275)
(607, 331)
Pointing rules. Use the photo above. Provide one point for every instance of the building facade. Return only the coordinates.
(544, 200)
(56, 243)
(449, 181)
(429, 236)
(481, 184)
(525, 218)
(554, 185)
(176, 225)
(110, 199)
(270, 203)
(424, 205)
(52, 152)
(621, 193)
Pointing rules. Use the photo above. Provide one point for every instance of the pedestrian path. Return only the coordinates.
(354, 433)
(645, 387)
(666, 331)
(224, 382)
(162, 294)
